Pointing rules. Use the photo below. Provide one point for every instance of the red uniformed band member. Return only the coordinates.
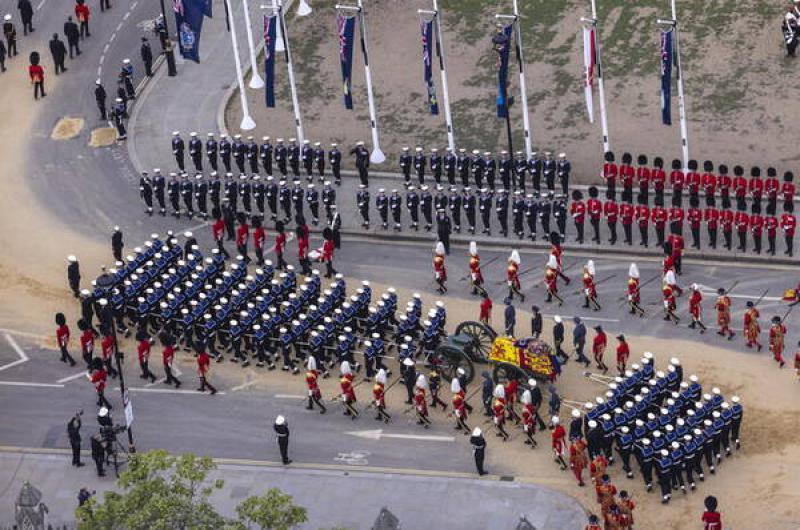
(752, 329)
(528, 418)
(589, 287)
(696, 308)
(348, 393)
(203, 371)
(551, 280)
(512, 275)
(379, 396)
(788, 225)
(599, 344)
(723, 307)
(499, 411)
(633, 294)
(669, 302)
(459, 406)
(623, 353)
(777, 335)
(420, 403)
(558, 441)
(439, 269)
(578, 459)
(312, 383)
(475, 273)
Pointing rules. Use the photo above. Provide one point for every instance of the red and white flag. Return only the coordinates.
(590, 68)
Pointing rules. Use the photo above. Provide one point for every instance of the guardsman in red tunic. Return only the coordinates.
(752, 329)
(693, 181)
(577, 209)
(218, 231)
(280, 245)
(626, 175)
(756, 189)
(623, 353)
(589, 287)
(558, 441)
(499, 411)
(756, 228)
(98, 378)
(328, 248)
(659, 216)
(643, 180)
(626, 507)
(771, 189)
(486, 309)
(676, 216)
(788, 225)
(695, 217)
(143, 351)
(347, 390)
(610, 174)
(797, 364)
(677, 180)
(528, 418)
(578, 459)
(420, 403)
(62, 338)
(551, 280)
(611, 212)
(439, 269)
(777, 338)
(558, 252)
(475, 273)
(669, 303)
(599, 344)
(203, 369)
(742, 221)
(659, 178)
(696, 308)
(724, 183)
(726, 219)
(740, 188)
(258, 239)
(787, 191)
(626, 211)
(643, 220)
(512, 275)
(594, 523)
(595, 209)
(709, 183)
(459, 401)
(711, 217)
(303, 243)
(312, 383)
(723, 307)
(633, 295)
(108, 348)
(677, 245)
(597, 468)
(771, 224)
(242, 235)
(379, 396)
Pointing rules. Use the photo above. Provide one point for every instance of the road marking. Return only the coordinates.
(72, 377)
(353, 458)
(106, 47)
(126, 15)
(595, 319)
(38, 7)
(23, 383)
(22, 357)
(289, 396)
(119, 27)
(29, 334)
(377, 434)
(243, 386)
(167, 391)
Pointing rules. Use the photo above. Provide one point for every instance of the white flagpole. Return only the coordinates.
(377, 156)
(522, 88)
(298, 121)
(681, 97)
(451, 142)
(279, 47)
(247, 121)
(303, 9)
(255, 80)
(600, 88)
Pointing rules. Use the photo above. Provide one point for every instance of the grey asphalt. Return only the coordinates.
(347, 498)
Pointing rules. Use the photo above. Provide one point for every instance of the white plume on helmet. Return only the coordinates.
(633, 271)
(473, 248)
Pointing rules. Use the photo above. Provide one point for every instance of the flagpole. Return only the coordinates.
(279, 47)
(377, 156)
(247, 121)
(600, 87)
(255, 80)
(298, 121)
(681, 97)
(522, 88)
(451, 142)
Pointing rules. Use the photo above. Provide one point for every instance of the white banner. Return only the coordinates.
(589, 62)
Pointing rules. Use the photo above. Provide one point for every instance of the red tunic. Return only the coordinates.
(107, 345)
(499, 411)
(311, 384)
(787, 191)
(302, 247)
(788, 224)
(771, 224)
(218, 229)
(623, 352)
(695, 301)
(578, 211)
(327, 250)
(36, 73)
(439, 269)
(626, 212)
(709, 182)
(459, 405)
(626, 174)
(203, 364)
(669, 298)
(724, 183)
(712, 521)
(742, 220)
(551, 280)
(599, 344)
(610, 172)
(280, 243)
(740, 186)
(726, 220)
(693, 181)
(633, 290)
(378, 395)
(167, 355)
(642, 215)
(677, 180)
(420, 404)
(242, 234)
(346, 386)
(512, 276)
(711, 217)
(82, 12)
(771, 187)
(589, 288)
(143, 349)
(558, 437)
(98, 379)
(695, 216)
(756, 224)
(595, 208)
(756, 188)
(659, 177)
(62, 335)
(528, 415)
(258, 237)
(611, 210)
(475, 270)
(486, 309)
(659, 216)
(643, 177)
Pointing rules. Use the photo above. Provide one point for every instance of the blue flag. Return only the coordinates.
(347, 30)
(503, 47)
(666, 77)
(270, 30)
(427, 59)
(189, 21)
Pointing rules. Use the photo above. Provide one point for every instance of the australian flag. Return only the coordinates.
(666, 76)
(347, 30)
(270, 31)
(502, 45)
(189, 21)
(427, 58)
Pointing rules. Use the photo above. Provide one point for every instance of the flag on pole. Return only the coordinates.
(270, 24)
(426, 26)
(189, 21)
(590, 69)
(347, 29)
(502, 45)
(666, 76)
(207, 8)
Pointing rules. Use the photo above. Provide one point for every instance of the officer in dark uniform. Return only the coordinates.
(257, 188)
(520, 170)
(307, 157)
(450, 167)
(146, 193)
(412, 205)
(436, 165)
(491, 168)
(560, 214)
(563, 169)
(285, 199)
(362, 201)
(531, 214)
(468, 202)
(319, 160)
(238, 151)
(212, 150)
(454, 203)
(396, 205)
(382, 204)
(335, 159)
(245, 192)
(280, 157)
(478, 166)
(225, 150)
(545, 209)
(419, 165)
(187, 194)
(426, 202)
(265, 154)
(159, 185)
(328, 199)
(443, 229)
(505, 168)
(312, 198)
(99, 96)
(196, 151)
(501, 206)
(535, 171)
(232, 192)
(201, 194)
(282, 438)
(251, 151)
(293, 154)
(362, 162)
(485, 207)
(119, 114)
(298, 199)
(174, 192)
(462, 166)
(518, 213)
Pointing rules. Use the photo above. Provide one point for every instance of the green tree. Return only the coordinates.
(273, 510)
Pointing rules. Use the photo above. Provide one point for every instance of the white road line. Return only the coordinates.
(22, 357)
(72, 377)
(167, 391)
(22, 333)
(133, 5)
(119, 27)
(289, 396)
(594, 319)
(22, 383)
(106, 47)
(126, 15)
(38, 7)
(100, 74)
(243, 386)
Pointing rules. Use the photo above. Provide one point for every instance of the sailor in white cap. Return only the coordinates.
(362, 162)
(408, 371)
(178, 148)
(282, 438)
(478, 443)
(196, 151)
(563, 169)
(74, 275)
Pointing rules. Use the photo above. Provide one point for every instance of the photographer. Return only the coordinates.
(74, 433)
(98, 454)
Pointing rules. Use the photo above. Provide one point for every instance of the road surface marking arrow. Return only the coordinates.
(377, 434)
(22, 357)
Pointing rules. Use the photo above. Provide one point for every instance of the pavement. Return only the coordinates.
(346, 496)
